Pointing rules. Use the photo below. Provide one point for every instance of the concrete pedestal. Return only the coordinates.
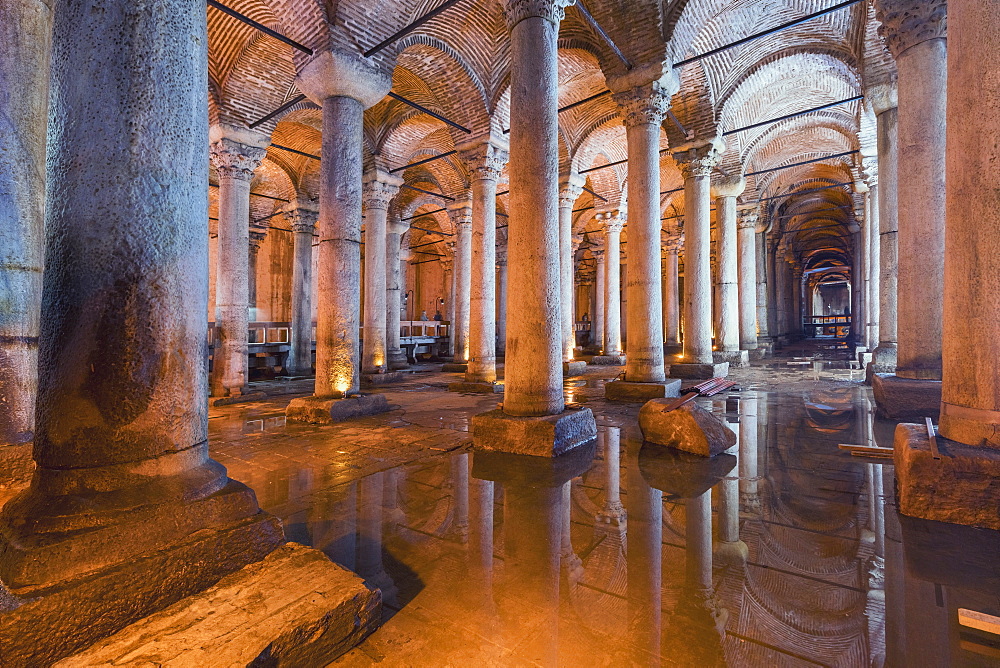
(454, 367)
(698, 371)
(608, 360)
(963, 487)
(906, 398)
(467, 387)
(574, 368)
(735, 358)
(325, 410)
(623, 390)
(379, 379)
(544, 436)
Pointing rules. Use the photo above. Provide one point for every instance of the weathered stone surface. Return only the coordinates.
(689, 428)
(905, 398)
(735, 358)
(622, 390)
(321, 410)
(963, 487)
(544, 436)
(239, 399)
(525, 470)
(476, 388)
(608, 360)
(698, 371)
(294, 608)
(682, 474)
(16, 466)
(574, 368)
(376, 379)
(454, 367)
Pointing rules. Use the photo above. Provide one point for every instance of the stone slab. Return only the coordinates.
(735, 358)
(963, 487)
(689, 428)
(454, 367)
(241, 399)
(476, 388)
(698, 371)
(293, 608)
(627, 391)
(906, 398)
(574, 368)
(608, 360)
(323, 410)
(544, 436)
(377, 379)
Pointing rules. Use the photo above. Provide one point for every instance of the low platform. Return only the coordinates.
(468, 387)
(294, 608)
(608, 360)
(698, 371)
(906, 398)
(735, 358)
(627, 391)
(544, 436)
(324, 410)
(574, 368)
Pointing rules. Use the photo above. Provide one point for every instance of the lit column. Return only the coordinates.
(570, 564)
(377, 192)
(763, 325)
(671, 296)
(570, 190)
(461, 217)
(870, 174)
(396, 258)
(884, 102)
(747, 270)
(234, 162)
(729, 337)
(257, 236)
(601, 278)
(303, 223)
(612, 512)
(613, 224)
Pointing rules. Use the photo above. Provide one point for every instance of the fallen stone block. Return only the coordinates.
(324, 410)
(689, 428)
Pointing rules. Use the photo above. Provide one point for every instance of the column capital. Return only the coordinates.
(460, 214)
(883, 96)
(699, 159)
(378, 188)
(570, 188)
(303, 215)
(340, 73)
(234, 160)
(906, 23)
(747, 220)
(257, 235)
(515, 11)
(484, 160)
(598, 254)
(501, 256)
(729, 186)
(396, 226)
(642, 105)
(869, 171)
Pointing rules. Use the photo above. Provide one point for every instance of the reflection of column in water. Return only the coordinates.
(370, 565)
(875, 604)
(459, 529)
(643, 557)
(612, 512)
(698, 547)
(730, 549)
(572, 566)
(333, 524)
(393, 514)
(749, 497)
(481, 533)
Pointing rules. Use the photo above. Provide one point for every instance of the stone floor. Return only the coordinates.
(832, 576)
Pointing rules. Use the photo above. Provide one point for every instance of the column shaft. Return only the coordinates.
(884, 358)
(502, 303)
(747, 270)
(612, 288)
(567, 197)
(671, 299)
(395, 277)
(874, 261)
(301, 357)
(600, 295)
(377, 192)
(463, 280)
(728, 258)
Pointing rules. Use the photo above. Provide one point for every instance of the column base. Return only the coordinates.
(397, 360)
(133, 569)
(883, 361)
(613, 513)
(378, 379)
(608, 360)
(735, 358)
(239, 399)
(627, 391)
(455, 367)
(324, 410)
(543, 436)
(689, 428)
(574, 368)
(673, 349)
(16, 467)
(698, 371)
(730, 553)
(906, 398)
(963, 487)
(757, 354)
(474, 387)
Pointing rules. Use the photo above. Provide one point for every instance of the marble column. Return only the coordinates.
(671, 296)
(698, 548)
(484, 162)
(613, 224)
(915, 32)
(612, 512)
(25, 38)
(448, 274)
(643, 109)
(570, 565)
(257, 236)
(644, 558)
(502, 300)
(303, 218)
(729, 337)
(377, 192)
(884, 101)
(126, 512)
(343, 98)
(396, 259)
(747, 271)
(459, 529)
(571, 187)
(872, 229)
(600, 293)
(763, 326)
(696, 165)
(461, 217)
(234, 162)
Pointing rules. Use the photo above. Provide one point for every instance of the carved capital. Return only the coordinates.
(747, 220)
(598, 254)
(378, 188)
(614, 223)
(869, 171)
(698, 160)
(501, 256)
(553, 11)
(485, 161)
(906, 23)
(460, 214)
(303, 220)
(234, 160)
(257, 236)
(643, 105)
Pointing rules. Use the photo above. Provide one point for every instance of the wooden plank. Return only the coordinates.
(932, 438)
(979, 621)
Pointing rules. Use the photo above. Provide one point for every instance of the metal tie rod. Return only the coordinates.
(788, 116)
(406, 30)
(423, 162)
(804, 162)
(427, 111)
(428, 192)
(287, 105)
(260, 26)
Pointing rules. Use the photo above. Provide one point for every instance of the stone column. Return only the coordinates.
(126, 512)
(570, 189)
(915, 32)
(796, 309)
(887, 116)
(612, 512)
(749, 496)
(303, 219)
(729, 256)
(257, 236)
(600, 290)
(395, 277)
(459, 529)
(371, 494)
(671, 296)
(533, 391)
(730, 549)
(502, 300)
(25, 38)
(644, 559)
(235, 154)
(643, 108)
(377, 192)
(485, 162)
(344, 85)
(461, 217)
(448, 271)
(747, 271)
(613, 224)
(696, 165)
(763, 326)
(870, 175)
(570, 565)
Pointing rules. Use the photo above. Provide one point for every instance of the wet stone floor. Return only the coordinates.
(783, 552)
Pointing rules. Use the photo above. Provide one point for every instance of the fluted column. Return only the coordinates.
(887, 121)
(485, 162)
(395, 276)
(571, 188)
(613, 224)
(597, 327)
(461, 217)
(747, 270)
(915, 32)
(671, 298)
(234, 164)
(728, 337)
(502, 299)
(377, 192)
(303, 220)
(696, 165)
(257, 236)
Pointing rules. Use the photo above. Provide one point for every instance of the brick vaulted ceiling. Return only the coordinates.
(458, 65)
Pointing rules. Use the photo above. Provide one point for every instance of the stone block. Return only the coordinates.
(623, 390)
(476, 388)
(689, 428)
(294, 608)
(735, 358)
(543, 436)
(455, 367)
(574, 368)
(906, 398)
(377, 379)
(324, 410)
(672, 349)
(963, 487)
(757, 354)
(608, 360)
(698, 371)
(239, 399)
